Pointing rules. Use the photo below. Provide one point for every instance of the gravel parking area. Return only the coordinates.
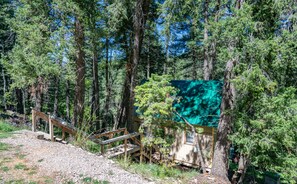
(68, 162)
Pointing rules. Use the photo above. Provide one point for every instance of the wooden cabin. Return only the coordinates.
(199, 105)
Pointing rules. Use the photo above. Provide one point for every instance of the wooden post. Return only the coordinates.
(33, 120)
(51, 128)
(141, 148)
(63, 135)
(102, 149)
(125, 144)
(125, 149)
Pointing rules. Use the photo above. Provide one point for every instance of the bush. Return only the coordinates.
(5, 127)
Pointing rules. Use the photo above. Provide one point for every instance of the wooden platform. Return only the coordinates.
(120, 150)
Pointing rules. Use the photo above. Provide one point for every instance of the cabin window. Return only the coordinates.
(189, 137)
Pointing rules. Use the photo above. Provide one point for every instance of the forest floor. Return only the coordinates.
(26, 159)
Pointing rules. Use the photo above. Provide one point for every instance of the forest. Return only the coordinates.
(87, 61)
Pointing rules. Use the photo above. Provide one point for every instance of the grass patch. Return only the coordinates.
(4, 169)
(20, 166)
(32, 173)
(21, 181)
(160, 173)
(48, 179)
(3, 147)
(6, 129)
(94, 181)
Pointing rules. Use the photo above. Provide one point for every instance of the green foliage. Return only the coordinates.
(5, 127)
(82, 140)
(154, 100)
(161, 173)
(266, 121)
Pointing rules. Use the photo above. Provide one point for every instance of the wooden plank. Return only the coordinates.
(41, 115)
(119, 150)
(64, 127)
(108, 133)
(120, 138)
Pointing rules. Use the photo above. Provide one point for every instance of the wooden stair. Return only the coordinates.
(120, 150)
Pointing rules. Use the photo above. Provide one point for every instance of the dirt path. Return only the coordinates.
(41, 161)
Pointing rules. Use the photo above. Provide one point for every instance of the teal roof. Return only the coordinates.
(199, 101)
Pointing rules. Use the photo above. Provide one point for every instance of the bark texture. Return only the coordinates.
(139, 20)
(207, 64)
(107, 83)
(95, 107)
(141, 10)
(57, 82)
(68, 99)
(220, 161)
(79, 96)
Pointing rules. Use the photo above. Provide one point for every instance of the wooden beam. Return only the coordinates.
(51, 129)
(108, 133)
(120, 138)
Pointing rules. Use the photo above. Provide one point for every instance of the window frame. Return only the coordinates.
(186, 135)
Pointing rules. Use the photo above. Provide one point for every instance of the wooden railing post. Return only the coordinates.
(33, 120)
(51, 128)
(125, 144)
(141, 148)
(63, 135)
(102, 149)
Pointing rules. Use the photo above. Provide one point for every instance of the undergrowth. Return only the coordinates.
(159, 173)
(6, 129)
(82, 140)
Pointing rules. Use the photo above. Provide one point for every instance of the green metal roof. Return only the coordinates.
(199, 101)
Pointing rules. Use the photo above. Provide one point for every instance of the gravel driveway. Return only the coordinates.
(69, 161)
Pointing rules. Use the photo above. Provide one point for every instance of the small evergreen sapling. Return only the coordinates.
(154, 100)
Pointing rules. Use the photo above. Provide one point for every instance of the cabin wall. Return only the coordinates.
(185, 153)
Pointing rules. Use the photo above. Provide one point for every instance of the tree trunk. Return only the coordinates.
(221, 152)
(95, 107)
(123, 111)
(213, 44)
(38, 93)
(148, 63)
(107, 100)
(167, 53)
(19, 97)
(79, 96)
(207, 65)
(141, 10)
(68, 99)
(24, 92)
(4, 88)
(56, 96)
